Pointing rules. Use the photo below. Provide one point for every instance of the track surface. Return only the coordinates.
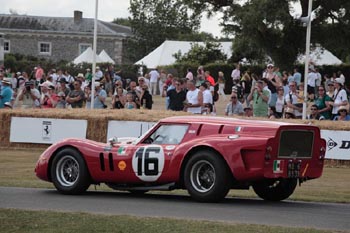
(251, 211)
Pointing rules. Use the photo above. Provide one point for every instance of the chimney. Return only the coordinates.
(78, 16)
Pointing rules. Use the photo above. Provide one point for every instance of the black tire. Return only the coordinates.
(275, 190)
(69, 172)
(207, 177)
(138, 192)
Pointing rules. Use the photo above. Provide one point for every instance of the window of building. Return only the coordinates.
(45, 48)
(83, 47)
(6, 46)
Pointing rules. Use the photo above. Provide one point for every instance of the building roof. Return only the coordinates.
(60, 25)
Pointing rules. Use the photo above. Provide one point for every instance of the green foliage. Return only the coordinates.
(122, 21)
(210, 52)
(154, 21)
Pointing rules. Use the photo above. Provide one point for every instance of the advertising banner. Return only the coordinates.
(45, 130)
(338, 144)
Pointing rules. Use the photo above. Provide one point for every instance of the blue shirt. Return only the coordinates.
(6, 95)
(97, 102)
(297, 78)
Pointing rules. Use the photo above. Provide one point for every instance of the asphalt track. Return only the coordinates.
(235, 210)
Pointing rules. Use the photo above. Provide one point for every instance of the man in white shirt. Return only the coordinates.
(98, 74)
(236, 74)
(194, 98)
(154, 76)
(311, 83)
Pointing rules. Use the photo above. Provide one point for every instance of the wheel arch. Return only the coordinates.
(54, 154)
(192, 152)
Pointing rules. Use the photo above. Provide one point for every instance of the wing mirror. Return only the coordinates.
(113, 140)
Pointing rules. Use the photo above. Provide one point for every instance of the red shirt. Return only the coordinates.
(211, 80)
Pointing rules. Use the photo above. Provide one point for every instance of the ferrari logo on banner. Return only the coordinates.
(278, 166)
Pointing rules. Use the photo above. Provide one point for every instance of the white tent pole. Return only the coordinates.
(94, 57)
(307, 57)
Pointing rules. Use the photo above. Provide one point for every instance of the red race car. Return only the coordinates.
(208, 156)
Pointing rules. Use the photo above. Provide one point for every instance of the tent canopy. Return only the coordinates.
(105, 57)
(320, 56)
(163, 55)
(87, 57)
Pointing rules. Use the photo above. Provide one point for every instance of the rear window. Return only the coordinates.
(296, 144)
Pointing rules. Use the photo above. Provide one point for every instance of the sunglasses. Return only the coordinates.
(342, 111)
(233, 98)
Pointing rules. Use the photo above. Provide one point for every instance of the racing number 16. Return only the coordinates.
(147, 161)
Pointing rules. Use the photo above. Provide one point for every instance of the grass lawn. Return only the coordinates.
(17, 170)
(44, 221)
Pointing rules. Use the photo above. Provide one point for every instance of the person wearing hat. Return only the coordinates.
(48, 97)
(260, 98)
(340, 97)
(6, 92)
(289, 113)
(29, 96)
(88, 75)
(63, 86)
(7, 105)
(61, 102)
(343, 114)
(98, 74)
(99, 99)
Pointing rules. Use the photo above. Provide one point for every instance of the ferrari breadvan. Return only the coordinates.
(207, 156)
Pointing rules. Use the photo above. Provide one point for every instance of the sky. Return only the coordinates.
(107, 10)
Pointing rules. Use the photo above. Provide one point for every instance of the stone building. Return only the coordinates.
(61, 38)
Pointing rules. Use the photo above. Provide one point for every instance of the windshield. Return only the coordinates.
(143, 135)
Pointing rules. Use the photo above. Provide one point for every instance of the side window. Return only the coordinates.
(7, 46)
(167, 134)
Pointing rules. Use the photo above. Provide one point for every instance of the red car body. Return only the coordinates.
(252, 152)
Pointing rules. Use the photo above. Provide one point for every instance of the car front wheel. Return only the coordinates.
(69, 172)
(207, 177)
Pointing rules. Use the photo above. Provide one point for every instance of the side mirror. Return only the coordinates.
(113, 140)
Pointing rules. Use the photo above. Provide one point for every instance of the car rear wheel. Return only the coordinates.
(69, 172)
(207, 177)
(275, 190)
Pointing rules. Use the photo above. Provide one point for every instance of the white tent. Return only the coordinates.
(87, 56)
(320, 56)
(105, 57)
(163, 55)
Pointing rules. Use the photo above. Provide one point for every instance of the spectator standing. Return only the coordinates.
(292, 101)
(246, 84)
(76, 97)
(48, 96)
(135, 94)
(162, 80)
(221, 82)
(311, 84)
(340, 97)
(273, 81)
(39, 74)
(189, 75)
(323, 104)
(119, 98)
(6, 92)
(209, 78)
(207, 106)
(279, 103)
(176, 96)
(260, 98)
(61, 102)
(98, 74)
(88, 75)
(130, 104)
(194, 98)
(100, 97)
(63, 86)
(146, 98)
(107, 83)
(296, 76)
(154, 76)
(234, 107)
(331, 89)
(236, 74)
(248, 111)
(28, 96)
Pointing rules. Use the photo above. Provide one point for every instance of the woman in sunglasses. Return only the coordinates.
(343, 114)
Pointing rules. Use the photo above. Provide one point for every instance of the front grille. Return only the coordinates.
(296, 144)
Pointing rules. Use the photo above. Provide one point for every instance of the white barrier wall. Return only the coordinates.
(45, 130)
(48, 131)
(127, 128)
(338, 144)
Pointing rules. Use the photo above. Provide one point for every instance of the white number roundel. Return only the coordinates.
(148, 162)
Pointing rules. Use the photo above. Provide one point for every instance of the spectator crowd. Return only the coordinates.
(272, 94)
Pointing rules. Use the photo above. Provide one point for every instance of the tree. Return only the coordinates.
(267, 27)
(153, 21)
(202, 55)
(122, 21)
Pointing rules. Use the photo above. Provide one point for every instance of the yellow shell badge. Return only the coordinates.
(122, 165)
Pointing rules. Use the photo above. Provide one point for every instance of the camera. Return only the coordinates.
(28, 88)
